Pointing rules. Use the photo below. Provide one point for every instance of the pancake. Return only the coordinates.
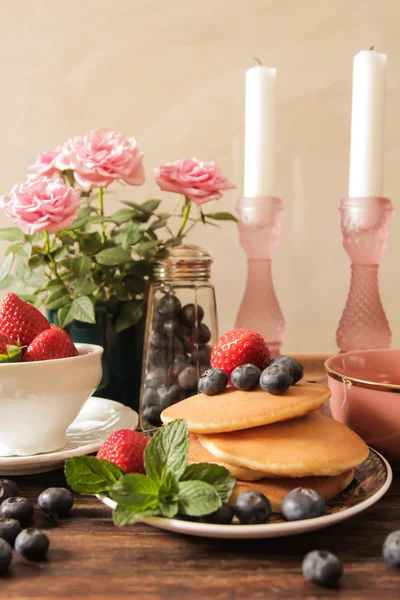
(276, 489)
(234, 410)
(197, 454)
(308, 446)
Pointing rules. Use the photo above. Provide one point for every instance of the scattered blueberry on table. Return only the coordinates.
(323, 568)
(32, 543)
(391, 549)
(17, 508)
(9, 529)
(56, 501)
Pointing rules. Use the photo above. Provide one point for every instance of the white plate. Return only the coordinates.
(98, 419)
(371, 481)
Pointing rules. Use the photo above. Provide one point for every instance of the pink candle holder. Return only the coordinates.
(260, 227)
(365, 226)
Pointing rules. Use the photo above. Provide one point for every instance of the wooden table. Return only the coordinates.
(90, 558)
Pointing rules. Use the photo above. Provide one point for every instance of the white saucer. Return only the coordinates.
(371, 481)
(98, 419)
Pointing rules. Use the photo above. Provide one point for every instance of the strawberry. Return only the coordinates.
(20, 322)
(51, 343)
(238, 347)
(125, 448)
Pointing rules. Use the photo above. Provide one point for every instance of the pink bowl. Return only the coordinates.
(365, 388)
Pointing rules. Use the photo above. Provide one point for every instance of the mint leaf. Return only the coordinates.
(136, 492)
(216, 475)
(169, 488)
(125, 516)
(168, 509)
(167, 452)
(91, 475)
(197, 498)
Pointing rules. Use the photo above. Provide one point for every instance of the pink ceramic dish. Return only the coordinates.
(365, 388)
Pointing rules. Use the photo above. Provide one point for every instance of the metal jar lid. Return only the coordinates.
(184, 262)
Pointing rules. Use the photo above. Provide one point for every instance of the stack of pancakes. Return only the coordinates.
(272, 443)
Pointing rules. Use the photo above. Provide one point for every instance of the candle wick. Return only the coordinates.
(372, 47)
(257, 60)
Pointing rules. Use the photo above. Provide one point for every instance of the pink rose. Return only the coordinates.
(101, 157)
(41, 204)
(198, 180)
(45, 163)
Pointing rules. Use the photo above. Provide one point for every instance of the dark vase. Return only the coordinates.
(122, 357)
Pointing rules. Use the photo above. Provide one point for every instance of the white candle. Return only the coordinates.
(367, 124)
(259, 132)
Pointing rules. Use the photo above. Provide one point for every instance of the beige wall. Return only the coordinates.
(171, 73)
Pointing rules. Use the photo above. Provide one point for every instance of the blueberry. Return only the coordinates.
(17, 508)
(5, 555)
(151, 414)
(190, 314)
(32, 543)
(213, 381)
(155, 378)
(202, 354)
(295, 368)
(150, 397)
(170, 328)
(158, 322)
(187, 340)
(245, 377)
(223, 515)
(302, 503)
(157, 356)
(157, 339)
(391, 549)
(8, 489)
(275, 379)
(169, 395)
(168, 306)
(322, 567)
(9, 529)
(188, 378)
(56, 501)
(252, 508)
(179, 363)
(203, 334)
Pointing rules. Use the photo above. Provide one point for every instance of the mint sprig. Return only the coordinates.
(169, 487)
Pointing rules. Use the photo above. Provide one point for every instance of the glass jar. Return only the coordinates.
(181, 326)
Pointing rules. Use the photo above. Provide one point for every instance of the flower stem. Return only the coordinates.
(101, 204)
(185, 215)
(50, 257)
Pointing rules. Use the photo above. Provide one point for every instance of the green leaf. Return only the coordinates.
(14, 354)
(11, 234)
(169, 488)
(67, 239)
(134, 491)
(81, 266)
(14, 248)
(146, 246)
(6, 266)
(135, 285)
(122, 215)
(35, 261)
(113, 256)
(216, 475)
(90, 475)
(26, 250)
(79, 223)
(91, 243)
(84, 287)
(174, 241)
(167, 451)
(54, 283)
(6, 283)
(99, 219)
(58, 299)
(82, 310)
(150, 205)
(197, 498)
(124, 516)
(221, 216)
(131, 312)
(64, 315)
(158, 224)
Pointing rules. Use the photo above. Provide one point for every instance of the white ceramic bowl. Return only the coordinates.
(39, 400)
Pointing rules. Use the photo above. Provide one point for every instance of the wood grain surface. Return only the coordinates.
(90, 558)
